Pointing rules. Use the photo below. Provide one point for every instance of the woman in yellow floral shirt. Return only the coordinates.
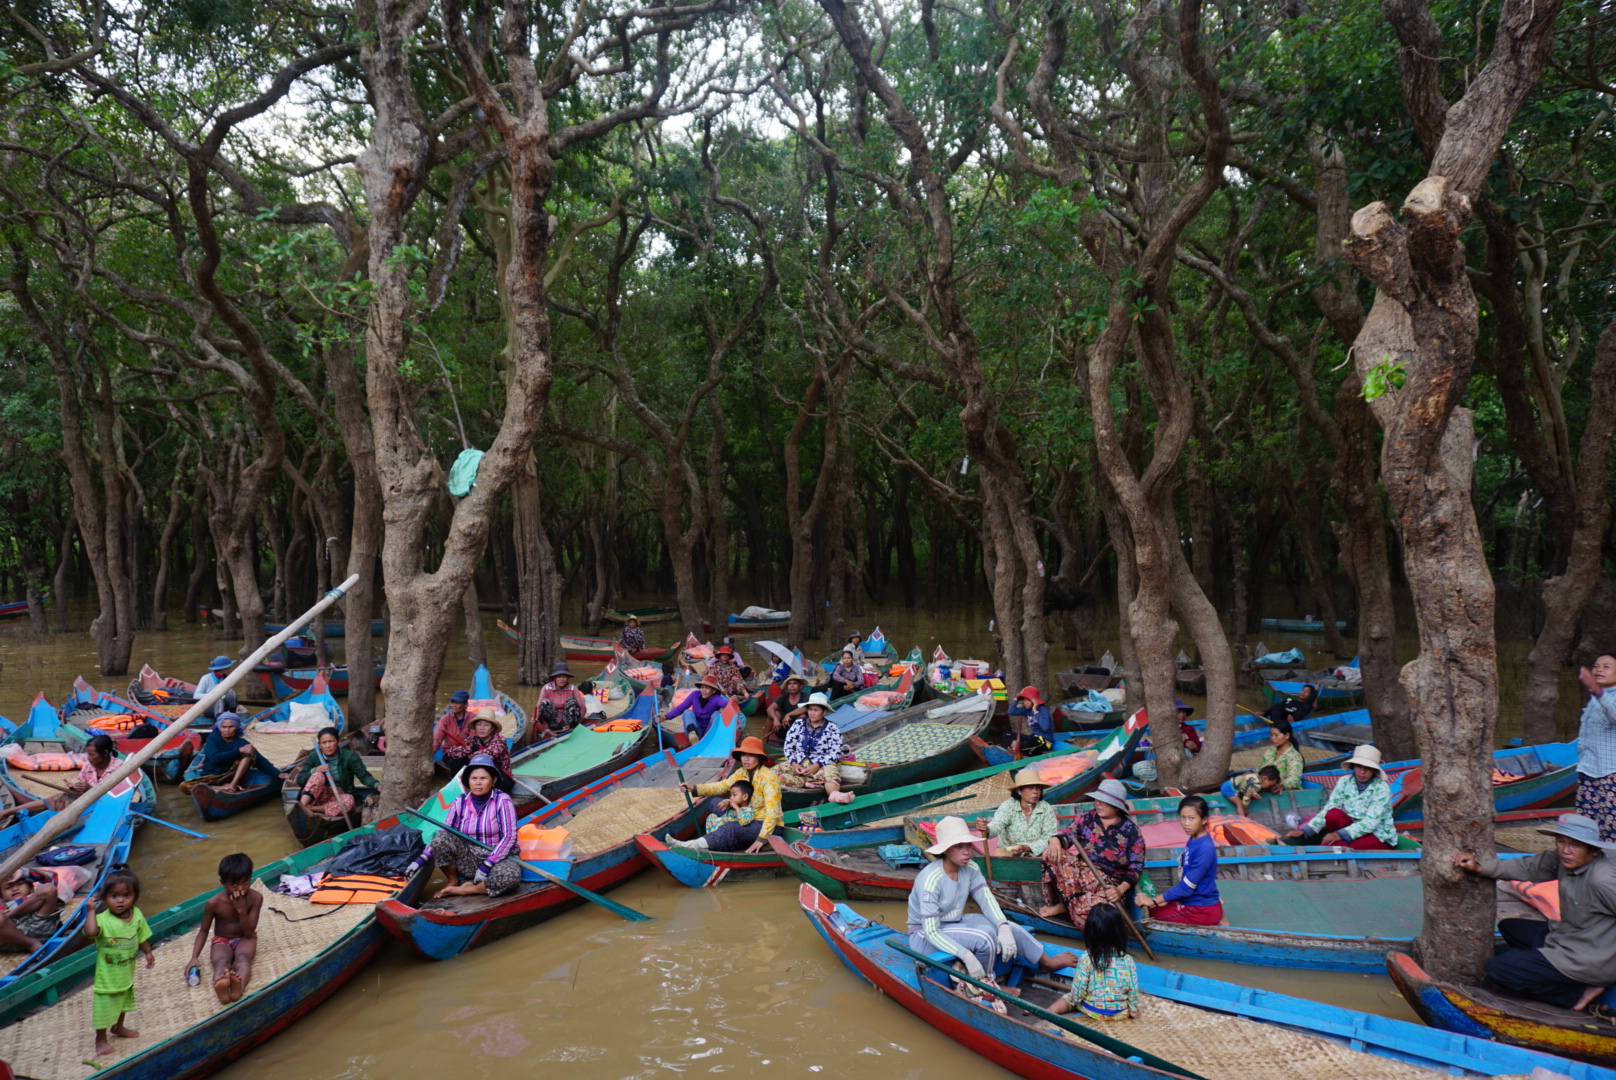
(756, 767)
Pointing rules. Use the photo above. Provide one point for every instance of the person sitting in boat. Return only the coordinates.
(847, 677)
(484, 735)
(755, 769)
(484, 813)
(1194, 900)
(1359, 811)
(1024, 824)
(699, 708)
(855, 645)
(813, 753)
(1186, 730)
(787, 707)
(225, 757)
(452, 732)
(746, 669)
(632, 637)
(218, 667)
(1596, 746)
(330, 777)
(1105, 982)
(1115, 850)
(561, 706)
(32, 913)
(727, 674)
(1572, 961)
(1295, 709)
(937, 921)
(1032, 728)
(1282, 756)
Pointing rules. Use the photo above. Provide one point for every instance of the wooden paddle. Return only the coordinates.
(680, 773)
(594, 898)
(1125, 916)
(331, 781)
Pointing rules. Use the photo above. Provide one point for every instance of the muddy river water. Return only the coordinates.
(726, 980)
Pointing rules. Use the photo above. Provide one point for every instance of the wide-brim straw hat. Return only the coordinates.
(707, 681)
(794, 678)
(502, 779)
(1367, 755)
(951, 831)
(1028, 778)
(632, 620)
(752, 745)
(1112, 793)
(818, 699)
(492, 717)
(1578, 827)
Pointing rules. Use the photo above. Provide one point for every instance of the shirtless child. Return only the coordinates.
(232, 914)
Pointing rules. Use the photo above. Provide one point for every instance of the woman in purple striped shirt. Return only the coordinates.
(485, 813)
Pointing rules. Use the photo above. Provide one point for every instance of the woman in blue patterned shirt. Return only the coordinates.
(813, 753)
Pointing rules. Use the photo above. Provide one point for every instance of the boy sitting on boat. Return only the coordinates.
(1571, 962)
(32, 912)
(735, 810)
(232, 916)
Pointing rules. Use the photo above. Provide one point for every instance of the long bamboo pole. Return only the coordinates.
(64, 819)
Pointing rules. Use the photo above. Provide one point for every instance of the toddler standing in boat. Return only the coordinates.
(119, 933)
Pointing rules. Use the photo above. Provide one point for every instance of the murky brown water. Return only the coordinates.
(722, 979)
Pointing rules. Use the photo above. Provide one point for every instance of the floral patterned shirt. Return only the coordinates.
(633, 638)
(1118, 851)
(731, 683)
(1289, 763)
(1369, 806)
(1012, 825)
(765, 795)
(1112, 993)
(807, 746)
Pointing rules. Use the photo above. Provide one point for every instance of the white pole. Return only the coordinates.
(64, 819)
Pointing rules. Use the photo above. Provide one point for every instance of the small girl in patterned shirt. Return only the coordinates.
(736, 810)
(1105, 982)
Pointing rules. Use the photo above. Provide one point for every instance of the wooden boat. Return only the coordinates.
(1102, 676)
(149, 688)
(334, 628)
(1488, 1014)
(1106, 758)
(1087, 720)
(264, 781)
(945, 679)
(883, 653)
(888, 694)
(744, 624)
(594, 650)
(303, 959)
(657, 613)
(1333, 693)
(1309, 625)
(310, 829)
(1211, 1028)
(19, 607)
(604, 856)
(908, 746)
(286, 682)
(108, 826)
(1524, 778)
(1189, 676)
(1261, 672)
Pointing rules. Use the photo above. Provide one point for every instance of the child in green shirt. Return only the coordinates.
(119, 933)
(736, 810)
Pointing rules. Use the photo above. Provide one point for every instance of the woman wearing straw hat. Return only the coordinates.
(699, 708)
(752, 764)
(560, 707)
(813, 753)
(632, 637)
(1024, 824)
(484, 812)
(1359, 811)
(1031, 726)
(786, 708)
(1116, 857)
(937, 919)
(1570, 961)
(486, 735)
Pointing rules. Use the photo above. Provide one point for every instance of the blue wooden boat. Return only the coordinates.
(1526, 778)
(263, 782)
(1333, 693)
(287, 681)
(452, 925)
(1227, 1020)
(46, 1036)
(1308, 625)
(108, 825)
(333, 628)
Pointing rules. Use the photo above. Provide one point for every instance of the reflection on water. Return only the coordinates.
(727, 979)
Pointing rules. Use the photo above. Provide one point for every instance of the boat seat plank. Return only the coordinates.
(1386, 907)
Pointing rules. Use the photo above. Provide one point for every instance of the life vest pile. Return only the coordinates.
(44, 761)
(356, 889)
(620, 724)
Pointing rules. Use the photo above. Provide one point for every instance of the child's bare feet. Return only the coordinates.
(124, 1031)
(1588, 994)
(236, 986)
(221, 988)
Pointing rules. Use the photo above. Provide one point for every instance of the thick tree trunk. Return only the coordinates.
(1307, 515)
(1566, 595)
(717, 527)
(476, 650)
(538, 597)
(165, 544)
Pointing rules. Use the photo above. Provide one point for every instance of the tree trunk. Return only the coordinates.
(64, 560)
(538, 597)
(1307, 515)
(476, 650)
(165, 543)
(1566, 595)
(717, 527)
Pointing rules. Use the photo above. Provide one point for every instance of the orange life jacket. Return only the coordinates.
(44, 761)
(356, 889)
(114, 722)
(619, 724)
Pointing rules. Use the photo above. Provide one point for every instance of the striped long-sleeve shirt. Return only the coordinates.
(493, 825)
(938, 899)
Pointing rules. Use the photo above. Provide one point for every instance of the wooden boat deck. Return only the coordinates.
(54, 1043)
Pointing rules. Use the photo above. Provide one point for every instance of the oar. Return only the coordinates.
(1125, 916)
(170, 825)
(1065, 1023)
(680, 773)
(331, 782)
(594, 898)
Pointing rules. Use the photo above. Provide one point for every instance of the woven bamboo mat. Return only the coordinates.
(982, 795)
(53, 1044)
(1223, 1047)
(44, 783)
(1526, 839)
(281, 747)
(1250, 760)
(620, 814)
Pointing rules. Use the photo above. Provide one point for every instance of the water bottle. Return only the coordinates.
(193, 976)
